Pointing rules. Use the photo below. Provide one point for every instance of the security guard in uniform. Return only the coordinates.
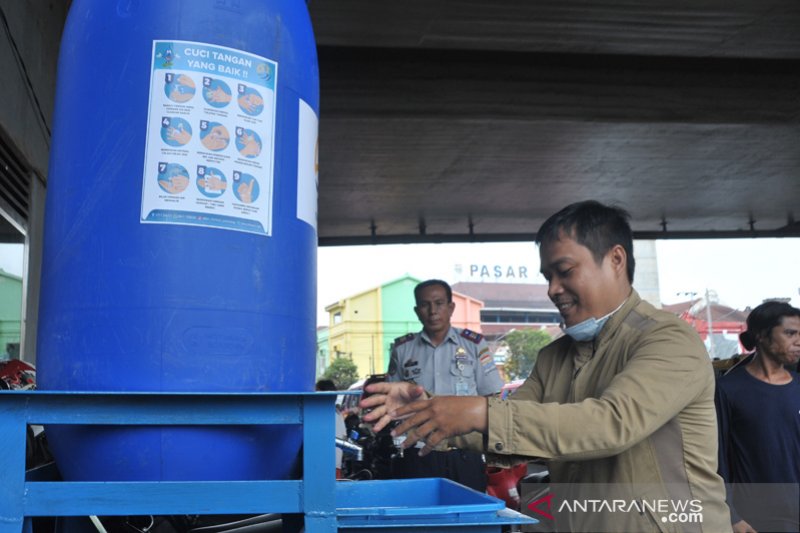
(446, 361)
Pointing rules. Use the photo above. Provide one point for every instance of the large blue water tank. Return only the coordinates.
(180, 228)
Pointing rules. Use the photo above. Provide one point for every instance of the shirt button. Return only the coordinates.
(498, 446)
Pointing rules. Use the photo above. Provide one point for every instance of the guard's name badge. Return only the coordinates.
(461, 355)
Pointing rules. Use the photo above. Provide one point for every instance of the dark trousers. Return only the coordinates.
(460, 466)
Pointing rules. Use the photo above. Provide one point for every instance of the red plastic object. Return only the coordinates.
(16, 374)
(503, 483)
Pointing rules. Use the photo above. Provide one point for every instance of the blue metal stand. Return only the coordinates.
(313, 496)
(400, 505)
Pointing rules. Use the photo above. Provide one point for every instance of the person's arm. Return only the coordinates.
(530, 390)
(723, 425)
(389, 398)
(666, 371)
(465, 420)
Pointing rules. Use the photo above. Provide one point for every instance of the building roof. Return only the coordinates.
(10, 276)
(697, 309)
(341, 301)
(456, 291)
(507, 295)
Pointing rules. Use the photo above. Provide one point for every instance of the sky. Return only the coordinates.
(11, 258)
(742, 272)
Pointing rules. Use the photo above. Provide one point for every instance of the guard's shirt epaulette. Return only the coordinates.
(403, 339)
(471, 335)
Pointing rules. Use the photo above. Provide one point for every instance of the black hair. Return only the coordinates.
(430, 283)
(762, 319)
(593, 225)
(326, 385)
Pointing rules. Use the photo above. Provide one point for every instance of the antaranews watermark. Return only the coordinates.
(608, 507)
(639, 507)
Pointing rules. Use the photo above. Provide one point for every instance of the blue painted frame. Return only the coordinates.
(314, 496)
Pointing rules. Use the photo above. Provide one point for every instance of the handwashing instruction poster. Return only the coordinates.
(209, 155)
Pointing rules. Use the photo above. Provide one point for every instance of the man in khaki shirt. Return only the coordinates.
(624, 401)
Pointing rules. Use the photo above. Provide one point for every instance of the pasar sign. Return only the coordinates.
(498, 271)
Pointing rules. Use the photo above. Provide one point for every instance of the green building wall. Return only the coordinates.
(397, 312)
(10, 311)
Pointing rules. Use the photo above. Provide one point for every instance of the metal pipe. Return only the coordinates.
(350, 448)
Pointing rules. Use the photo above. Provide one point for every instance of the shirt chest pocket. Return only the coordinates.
(463, 378)
(462, 368)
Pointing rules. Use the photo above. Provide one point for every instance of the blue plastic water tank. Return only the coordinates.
(180, 228)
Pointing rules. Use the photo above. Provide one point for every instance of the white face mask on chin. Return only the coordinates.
(586, 330)
(589, 328)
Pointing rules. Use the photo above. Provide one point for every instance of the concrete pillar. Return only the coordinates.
(31, 270)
